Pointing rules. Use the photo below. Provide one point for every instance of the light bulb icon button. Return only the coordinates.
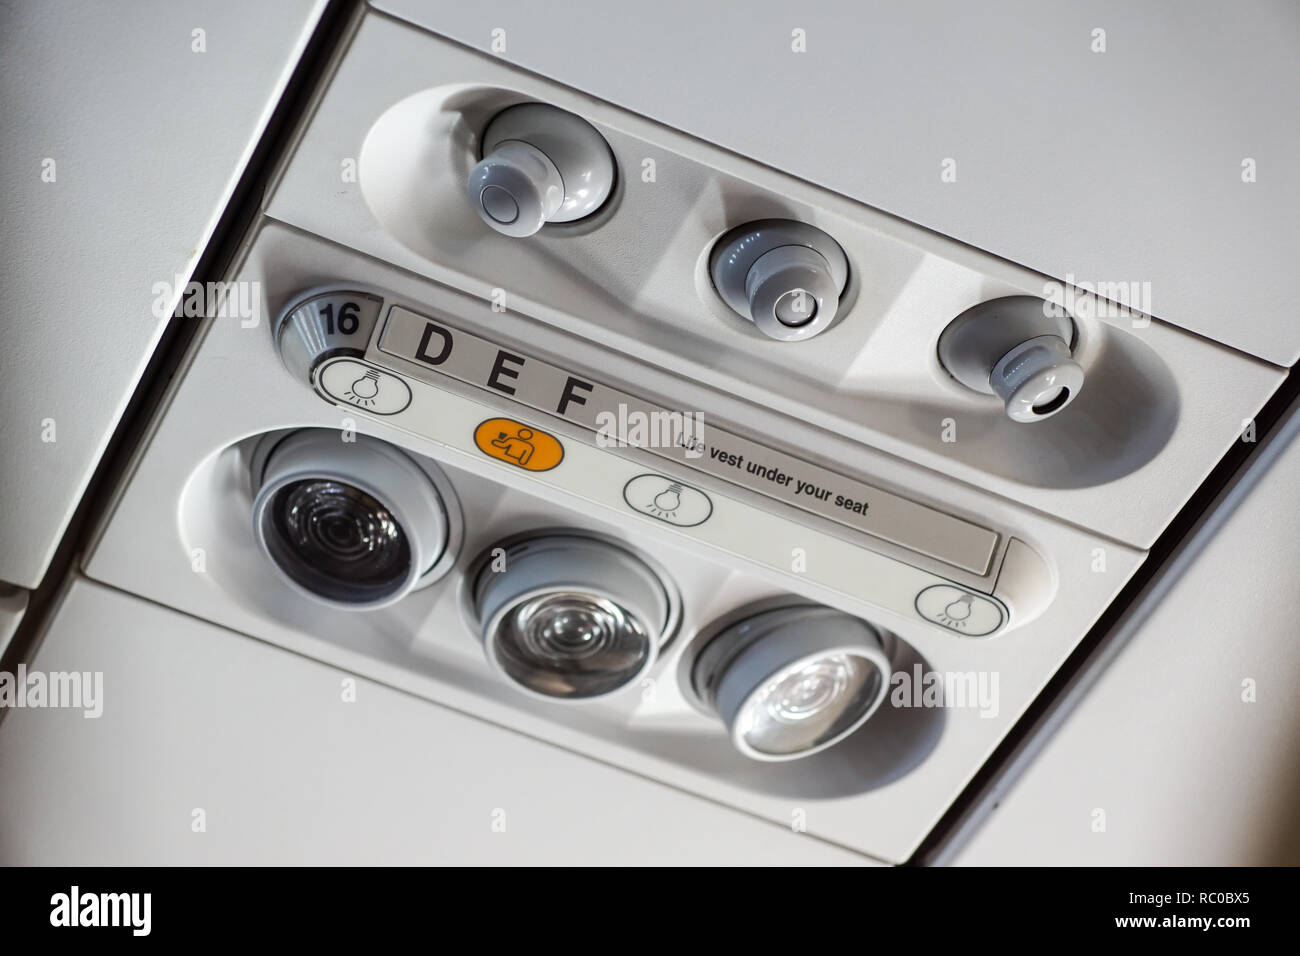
(348, 381)
(365, 390)
(668, 500)
(959, 610)
(956, 609)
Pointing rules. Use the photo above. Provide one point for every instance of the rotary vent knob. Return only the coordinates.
(1019, 349)
(540, 164)
(784, 276)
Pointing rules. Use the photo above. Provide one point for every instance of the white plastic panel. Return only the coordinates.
(1189, 743)
(703, 448)
(1119, 166)
(914, 761)
(1160, 406)
(122, 143)
(295, 775)
(453, 420)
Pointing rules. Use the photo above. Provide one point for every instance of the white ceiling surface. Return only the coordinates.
(148, 139)
(295, 775)
(1187, 772)
(1117, 166)
(13, 605)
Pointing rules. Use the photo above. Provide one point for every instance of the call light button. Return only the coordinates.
(518, 444)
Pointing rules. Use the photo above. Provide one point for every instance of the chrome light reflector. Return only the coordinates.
(571, 617)
(354, 524)
(792, 681)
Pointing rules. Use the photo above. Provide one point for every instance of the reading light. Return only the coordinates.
(354, 524)
(792, 681)
(571, 617)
